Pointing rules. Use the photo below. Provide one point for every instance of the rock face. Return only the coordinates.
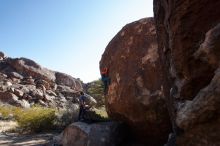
(99, 134)
(135, 93)
(24, 83)
(189, 49)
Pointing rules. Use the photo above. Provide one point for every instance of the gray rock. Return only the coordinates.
(51, 93)
(18, 92)
(38, 94)
(41, 102)
(49, 98)
(66, 91)
(40, 83)
(97, 134)
(24, 103)
(8, 83)
(15, 75)
(3, 76)
(28, 80)
(90, 100)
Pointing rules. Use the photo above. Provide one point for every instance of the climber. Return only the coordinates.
(105, 79)
(82, 106)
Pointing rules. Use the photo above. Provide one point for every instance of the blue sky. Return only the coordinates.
(66, 35)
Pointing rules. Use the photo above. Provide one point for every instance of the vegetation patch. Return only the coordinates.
(96, 90)
(34, 119)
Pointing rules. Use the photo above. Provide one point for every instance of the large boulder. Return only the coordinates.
(135, 93)
(188, 39)
(67, 80)
(97, 134)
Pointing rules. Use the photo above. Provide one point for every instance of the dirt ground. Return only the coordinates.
(15, 139)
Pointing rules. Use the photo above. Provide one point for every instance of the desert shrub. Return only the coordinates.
(8, 112)
(5, 112)
(36, 119)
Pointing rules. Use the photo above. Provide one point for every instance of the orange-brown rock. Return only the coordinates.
(135, 93)
(188, 39)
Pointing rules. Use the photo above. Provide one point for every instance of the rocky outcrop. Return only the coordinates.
(20, 68)
(98, 134)
(24, 83)
(135, 95)
(188, 39)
